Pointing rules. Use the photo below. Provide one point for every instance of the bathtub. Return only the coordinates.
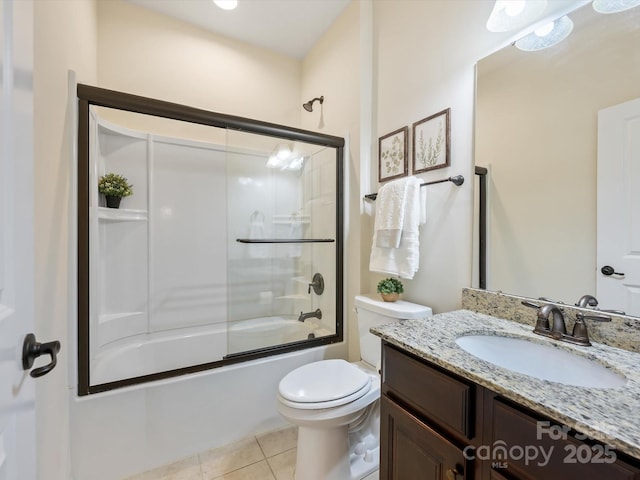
(121, 432)
(171, 349)
(263, 332)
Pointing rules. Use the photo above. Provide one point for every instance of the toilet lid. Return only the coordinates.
(324, 381)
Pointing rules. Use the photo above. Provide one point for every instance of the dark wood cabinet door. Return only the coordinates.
(411, 450)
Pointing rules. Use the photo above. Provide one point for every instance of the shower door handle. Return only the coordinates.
(31, 349)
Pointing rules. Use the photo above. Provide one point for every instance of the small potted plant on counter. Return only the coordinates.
(114, 187)
(390, 289)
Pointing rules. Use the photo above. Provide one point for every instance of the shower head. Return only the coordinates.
(309, 105)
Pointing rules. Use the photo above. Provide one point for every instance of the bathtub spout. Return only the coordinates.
(304, 316)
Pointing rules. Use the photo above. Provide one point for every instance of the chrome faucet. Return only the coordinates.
(303, 316)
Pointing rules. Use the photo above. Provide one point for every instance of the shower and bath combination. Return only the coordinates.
(182, 257)
(179, 308)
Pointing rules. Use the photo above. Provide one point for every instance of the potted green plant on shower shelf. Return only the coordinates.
(390, 289)
(114, 187)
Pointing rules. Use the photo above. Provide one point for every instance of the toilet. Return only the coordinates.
(335, 404)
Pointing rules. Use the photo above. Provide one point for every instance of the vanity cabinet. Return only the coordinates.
(427, 417)
(436, 425)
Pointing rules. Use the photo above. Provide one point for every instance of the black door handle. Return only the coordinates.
(609, 270)
(31, 349)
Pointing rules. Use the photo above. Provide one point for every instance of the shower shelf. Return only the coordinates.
(290, 219)
(121, 215)
(285, 240)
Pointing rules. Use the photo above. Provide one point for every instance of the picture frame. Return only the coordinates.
(392, 155)
(431, 142)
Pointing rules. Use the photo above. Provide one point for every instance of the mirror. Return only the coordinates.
(536, 132)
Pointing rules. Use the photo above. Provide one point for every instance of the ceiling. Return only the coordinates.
(289, 27)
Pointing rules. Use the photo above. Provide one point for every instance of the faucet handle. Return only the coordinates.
(317, 283)
(529, 304)
(580, 334)
(592, 316)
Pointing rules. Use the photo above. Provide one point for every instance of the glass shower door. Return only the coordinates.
(282, 230)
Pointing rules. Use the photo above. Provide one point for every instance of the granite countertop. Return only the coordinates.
(611, 415)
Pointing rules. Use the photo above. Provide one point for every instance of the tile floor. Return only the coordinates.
(269, 456)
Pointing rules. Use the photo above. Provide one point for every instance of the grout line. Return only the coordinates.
(260, 446)
(266, 459)
(200, 466)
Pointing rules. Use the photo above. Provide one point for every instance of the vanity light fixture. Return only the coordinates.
(226, 4)
(614, 6)
(508, 15)
(547, 35)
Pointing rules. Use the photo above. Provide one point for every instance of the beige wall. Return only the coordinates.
(65, 38)
(324, 72)
(425, 53)
(145, 53)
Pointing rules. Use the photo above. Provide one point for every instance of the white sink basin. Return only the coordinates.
(540, 361)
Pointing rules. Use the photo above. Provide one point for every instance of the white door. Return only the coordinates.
(17, 392)
(618, 215)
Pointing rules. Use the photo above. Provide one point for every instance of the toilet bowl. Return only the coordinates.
(335, 404)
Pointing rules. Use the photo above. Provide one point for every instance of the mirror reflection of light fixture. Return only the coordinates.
(614, 6)
(547, 35)
(284, 158)
(226, 4)
(309, 105)
(508, 15)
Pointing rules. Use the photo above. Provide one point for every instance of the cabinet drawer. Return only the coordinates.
(565, 458)
(445, 400)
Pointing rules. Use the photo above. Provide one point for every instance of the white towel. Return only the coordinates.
(404, 259)
(390, 210)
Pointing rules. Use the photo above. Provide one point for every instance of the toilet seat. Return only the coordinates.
(323, 384)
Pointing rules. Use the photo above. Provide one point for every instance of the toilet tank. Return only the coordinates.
(373, 311)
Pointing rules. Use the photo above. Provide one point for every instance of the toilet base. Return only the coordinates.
(323, 453)
(363, 465)
(327, 459)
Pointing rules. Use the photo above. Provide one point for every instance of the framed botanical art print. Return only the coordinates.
(392, 155)
(431, 148)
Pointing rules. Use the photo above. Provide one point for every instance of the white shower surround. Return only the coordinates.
(167, 264)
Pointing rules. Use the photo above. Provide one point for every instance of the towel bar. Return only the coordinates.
(457, 180)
